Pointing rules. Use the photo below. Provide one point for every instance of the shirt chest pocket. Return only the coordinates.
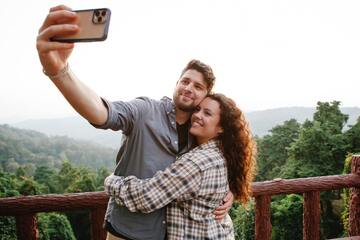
(161, 133)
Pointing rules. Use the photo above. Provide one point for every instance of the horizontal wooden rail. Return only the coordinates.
(301, 185)
(91, 200)
(52, 202)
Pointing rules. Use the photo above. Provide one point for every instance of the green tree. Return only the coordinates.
(8, 185)
(30, 187)
(273, 149)
(286, 218)
(320, 150)
(346, 198)
(48, 177)
(352, 137)
(330, 116)
(244, 221)
(67, 175)
(85, 182)
(321, 146)
(102, 173)
(54, 226)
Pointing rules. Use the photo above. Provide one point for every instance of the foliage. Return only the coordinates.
(8, 186)
(273, 149)
(318, 147)
(54, 226)
(352, 137)
(244, 221)
(47, 180)
(346, 198)
(7, 228)
(286, 218)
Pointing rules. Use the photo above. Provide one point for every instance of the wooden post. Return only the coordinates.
(354, 208)
(26, 227)
(262, 217)
(97, 221)
(311, 216)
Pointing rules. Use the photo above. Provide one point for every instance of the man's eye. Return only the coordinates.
(197, 109)
(185, 82)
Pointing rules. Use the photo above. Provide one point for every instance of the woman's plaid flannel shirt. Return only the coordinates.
(191, 188)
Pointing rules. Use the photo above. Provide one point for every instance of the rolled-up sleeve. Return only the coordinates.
(122, 115)
(182, 180)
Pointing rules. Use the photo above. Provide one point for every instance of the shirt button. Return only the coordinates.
(176, 142)
(163, 222)
(172, 122)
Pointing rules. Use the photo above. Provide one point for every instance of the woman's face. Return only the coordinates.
(205, 121)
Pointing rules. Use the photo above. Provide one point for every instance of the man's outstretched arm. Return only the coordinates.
(54, 59)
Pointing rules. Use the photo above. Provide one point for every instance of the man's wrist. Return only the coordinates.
(60, 74)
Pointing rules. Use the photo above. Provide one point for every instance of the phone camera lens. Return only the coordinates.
(99, 19)
(103, 13)
(97, 13)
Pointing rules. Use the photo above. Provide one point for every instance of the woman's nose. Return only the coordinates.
(197, 115)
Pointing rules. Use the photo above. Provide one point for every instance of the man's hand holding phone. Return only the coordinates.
(93, 26)
(60, 21)
(62, 27)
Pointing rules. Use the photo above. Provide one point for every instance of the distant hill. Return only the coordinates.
(28, 147)
(74, 127)
(260, 121)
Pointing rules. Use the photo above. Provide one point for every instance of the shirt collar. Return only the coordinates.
(213, 143)
(169, 105)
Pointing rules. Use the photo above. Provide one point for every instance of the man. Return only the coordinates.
(154, 132)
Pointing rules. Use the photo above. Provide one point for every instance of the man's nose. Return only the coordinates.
(189, 87)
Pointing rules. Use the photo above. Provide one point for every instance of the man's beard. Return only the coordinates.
(183, 107)
(186, 108)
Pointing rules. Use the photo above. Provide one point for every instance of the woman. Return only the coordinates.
(197, 182)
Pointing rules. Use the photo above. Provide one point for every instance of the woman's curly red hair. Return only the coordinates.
(238, 147)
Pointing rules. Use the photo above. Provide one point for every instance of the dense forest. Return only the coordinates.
(28, 149)
(316, 147)
(32, 163)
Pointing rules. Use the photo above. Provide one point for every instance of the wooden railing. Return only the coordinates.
(25, 208)
(310, 188)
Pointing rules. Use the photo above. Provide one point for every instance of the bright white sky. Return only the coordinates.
(266, 54)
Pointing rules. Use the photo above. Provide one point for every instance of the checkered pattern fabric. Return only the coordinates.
(191, 188)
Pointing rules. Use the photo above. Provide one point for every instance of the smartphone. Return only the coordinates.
(93, 26)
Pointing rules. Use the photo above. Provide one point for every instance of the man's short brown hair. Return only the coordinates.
(204, 69)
